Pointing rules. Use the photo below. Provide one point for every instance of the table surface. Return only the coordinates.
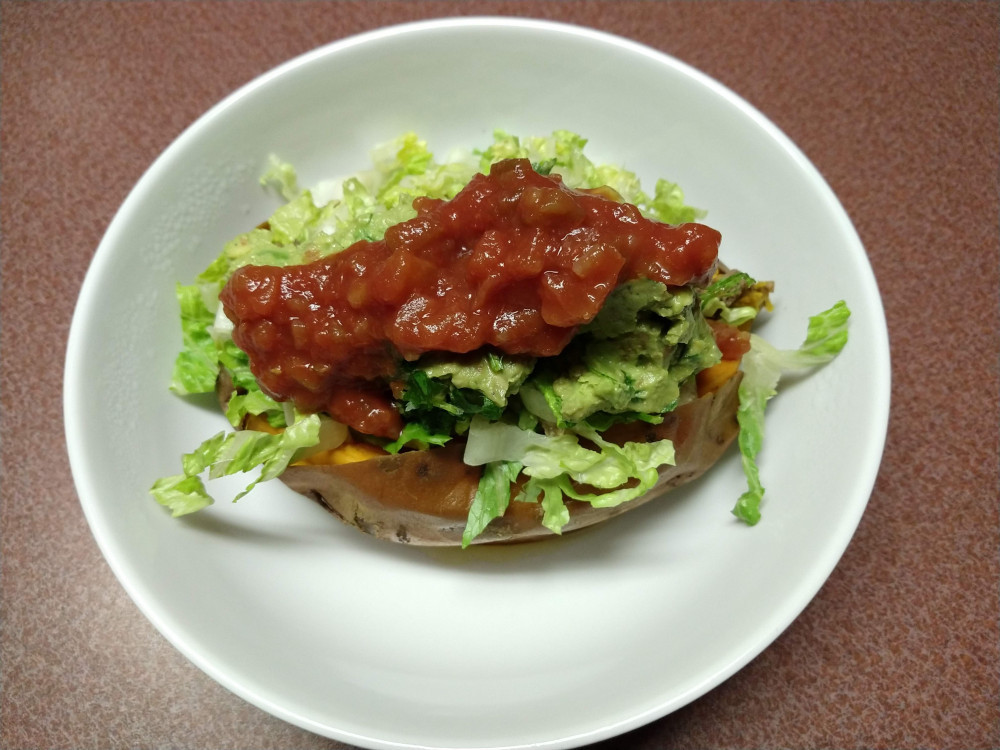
(897, 105)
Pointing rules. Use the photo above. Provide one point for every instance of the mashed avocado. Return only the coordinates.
(632, 358)
(496, 377)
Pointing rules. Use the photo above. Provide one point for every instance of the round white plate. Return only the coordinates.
(555, 644)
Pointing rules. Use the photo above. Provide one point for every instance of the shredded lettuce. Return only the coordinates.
(281, 176)
(719, 298)
(492, 497)
(197, 364)
(763, 367)
(254, 402)
(417, 435)
(556, 464)
(232, 452)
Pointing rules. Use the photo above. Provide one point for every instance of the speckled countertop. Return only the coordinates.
(897, 105)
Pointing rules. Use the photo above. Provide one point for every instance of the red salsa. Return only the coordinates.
(516, 261)
(732, 341)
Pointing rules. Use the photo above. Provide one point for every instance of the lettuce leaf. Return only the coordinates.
(282, 178)
(556, 464)
(293, 222)
(719, 297)
(417, 435)
(405, 168)
(763, 367)
(491, 498)
(255, 402)
(232, 452)
(197, 364)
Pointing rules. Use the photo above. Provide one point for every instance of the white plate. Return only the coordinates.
(556, 644)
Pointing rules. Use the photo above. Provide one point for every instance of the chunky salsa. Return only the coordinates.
(516, 261)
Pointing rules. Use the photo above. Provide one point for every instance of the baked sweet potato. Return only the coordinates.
(423, 497)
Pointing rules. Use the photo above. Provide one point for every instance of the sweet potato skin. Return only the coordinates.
(423, 497)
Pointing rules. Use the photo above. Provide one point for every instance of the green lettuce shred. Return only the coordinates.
(281, 177)
(491, 499)
(555, 464)
(718, 298)
(763, 367)
(227, 453)
(197, 364)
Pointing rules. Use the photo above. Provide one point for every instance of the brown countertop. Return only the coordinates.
(897, 105)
